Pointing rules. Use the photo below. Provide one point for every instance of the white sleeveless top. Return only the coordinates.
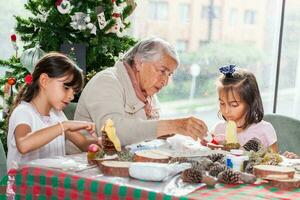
(25, 113)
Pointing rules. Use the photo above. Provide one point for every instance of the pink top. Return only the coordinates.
(263, 130)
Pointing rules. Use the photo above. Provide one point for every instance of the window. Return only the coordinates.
(249, 17)
(158, 10)
(214, 12)
(233, 16)
(184, 10)
(181, 45)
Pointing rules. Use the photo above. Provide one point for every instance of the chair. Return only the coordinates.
(70, 110)
(287, 130)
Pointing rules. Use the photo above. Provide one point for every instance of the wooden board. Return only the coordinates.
(273, 172)
(115, 168)
(151, 156)
(291, 183)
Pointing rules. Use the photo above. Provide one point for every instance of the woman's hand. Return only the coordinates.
(79, 125)
(193, 127)
(290, 155)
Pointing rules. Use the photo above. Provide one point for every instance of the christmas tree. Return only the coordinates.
(92, 32)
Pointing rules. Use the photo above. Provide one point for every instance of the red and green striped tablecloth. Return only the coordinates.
(43, 183)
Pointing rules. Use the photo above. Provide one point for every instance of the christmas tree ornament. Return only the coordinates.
(254, 144)
(28, 79)
(229, 176)
(101, 20)
(82, 21)
(11, 81)
(64, 6)
(30, 57)
(13, 39)
(43, 15)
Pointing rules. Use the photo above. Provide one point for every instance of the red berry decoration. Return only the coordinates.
(13, 37)
(28, 79)
(11, 80)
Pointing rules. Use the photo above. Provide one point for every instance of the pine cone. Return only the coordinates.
(206, 163)
(108, 146)
(215, 170)
(229, 176)
(192, 175)
(254, 144)
(179, 160)
(249, 167)
(216, 157)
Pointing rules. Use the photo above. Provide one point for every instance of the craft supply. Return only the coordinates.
(231, 132)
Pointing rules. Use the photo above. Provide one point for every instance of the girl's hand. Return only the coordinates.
(79, 125)
(290, 155)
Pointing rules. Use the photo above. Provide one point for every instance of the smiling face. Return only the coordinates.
(154, 75)
(232, 106)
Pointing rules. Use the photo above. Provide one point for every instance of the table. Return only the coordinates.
(34, 182)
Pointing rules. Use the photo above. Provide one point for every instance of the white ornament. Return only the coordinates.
(81, 21)
(101, 20)
(65, 7)
(43, 15)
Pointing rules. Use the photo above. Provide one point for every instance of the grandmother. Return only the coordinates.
(126, 93)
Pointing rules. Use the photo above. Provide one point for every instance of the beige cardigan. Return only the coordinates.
(110, 94)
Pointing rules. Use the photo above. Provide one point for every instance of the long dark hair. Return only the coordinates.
(55, 65)
(244, 83)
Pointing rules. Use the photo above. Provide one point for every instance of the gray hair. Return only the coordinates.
(151, 49)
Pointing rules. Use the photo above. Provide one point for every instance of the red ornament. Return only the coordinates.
(113, 1)
(28, 79)
(13, 38)
(58, 2)
(116, 15)
(11, 80)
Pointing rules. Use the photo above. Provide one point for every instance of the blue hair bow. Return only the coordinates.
(227, 70)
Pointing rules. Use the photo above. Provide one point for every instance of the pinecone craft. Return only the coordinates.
(179, 160)
(206, 163)
(216, 170)
(229, 176)
(254, 144)
(107, 144)
(249, 167)
(216, 157)
(192, 175)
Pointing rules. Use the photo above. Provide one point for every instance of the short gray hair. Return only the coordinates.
(150, 49)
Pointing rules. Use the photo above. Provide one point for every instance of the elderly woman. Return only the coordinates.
(126, 92)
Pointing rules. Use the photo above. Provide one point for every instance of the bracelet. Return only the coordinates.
(62, 128)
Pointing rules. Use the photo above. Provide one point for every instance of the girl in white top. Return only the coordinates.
(37, 126)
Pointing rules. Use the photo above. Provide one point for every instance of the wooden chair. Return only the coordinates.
(287, 130)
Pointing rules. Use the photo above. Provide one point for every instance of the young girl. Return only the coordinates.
(240, 101)
(37, 126)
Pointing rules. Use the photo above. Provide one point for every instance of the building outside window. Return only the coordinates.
(250, 17)
(184, 10)
(158, 10)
